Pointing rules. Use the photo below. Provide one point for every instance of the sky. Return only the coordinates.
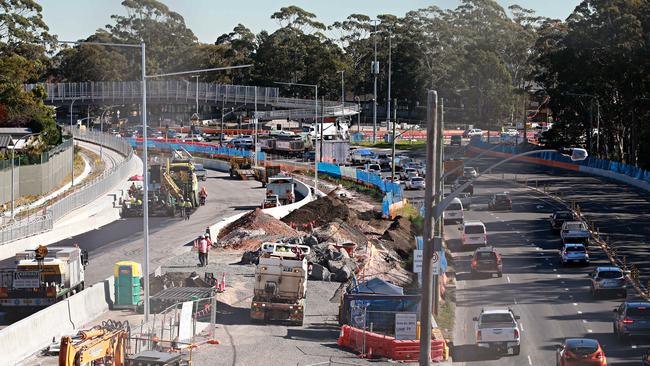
(76, 19)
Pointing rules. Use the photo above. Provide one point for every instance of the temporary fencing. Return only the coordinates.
(193, 147)
(393, 195)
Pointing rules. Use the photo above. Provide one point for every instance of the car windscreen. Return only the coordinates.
(417, 179)
(563, 216)
(501, 197)
(485, 255)
(582, 346)
(497, 320)
(454, 206)
(576, 226)
(610, 274)
(575, 249)
(198, 167)
(638, 312)
(474, 229)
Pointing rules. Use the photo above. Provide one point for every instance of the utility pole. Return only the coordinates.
(429, 220)
(196, 97)
(342, 93)
(256, 132)
(145, 181)
(375, 72)
(392, 163)
(439, 193)
(390, 64)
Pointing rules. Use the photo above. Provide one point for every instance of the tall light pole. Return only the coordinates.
(72, 138)
(316, 152)
(375, 73)
(196, 97)
(342, 93)
(13, 157)
(390, 65)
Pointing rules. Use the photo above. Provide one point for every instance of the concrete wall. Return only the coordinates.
(35, 332)
(282, 211)
(36, 179)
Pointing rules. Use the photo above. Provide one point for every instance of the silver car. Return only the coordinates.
(608, 280)
(574, 253)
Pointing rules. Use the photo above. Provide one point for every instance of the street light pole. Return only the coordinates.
(197, 94)
(430, 186)
(72, 137)
(342, 93)
(145, 175)
(375, 72)
(390, 65)
(392, 169)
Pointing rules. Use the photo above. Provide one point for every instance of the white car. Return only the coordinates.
(407, 172)
(498, 329)
(454, 211)
(574, 253)
(469, 172)
(474, 233)
(373, 168)
(473, 132)
(575, 232)
(511, 132)
(415, 183)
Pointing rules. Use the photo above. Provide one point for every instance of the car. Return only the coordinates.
(271, 201)
(498, 329)
(574, 253)
(465, 199)
(456, 140)
(373, 168)
(454, 211)
(559, 217)
(469, 172)
(459, 182)
(309, 156)
(201, 173)
(511, 132)
(361, 156)
(419, 168)
(645, 359)
(214, 136)
(500, 201)
(381, 160)
(414, 183)
(404, 174)
(575, 232)
(632, 319)
(473, 233)
(486, 260)
(608, 280)
(242, 142)
(579, 352)
(473, 132)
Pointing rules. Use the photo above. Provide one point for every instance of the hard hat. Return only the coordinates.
(207, 235)
(202, 236)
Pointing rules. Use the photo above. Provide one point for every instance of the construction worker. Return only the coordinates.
(203, 251)
(207, 253)
(203, 195)
(188, 208)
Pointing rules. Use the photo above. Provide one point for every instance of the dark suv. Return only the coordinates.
(486, 260)
(632, 318)
(559, 217)
(500, 201)
(456, 140)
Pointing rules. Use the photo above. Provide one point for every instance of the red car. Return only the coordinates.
(580, 352)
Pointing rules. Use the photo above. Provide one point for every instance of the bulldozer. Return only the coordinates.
(104, 344)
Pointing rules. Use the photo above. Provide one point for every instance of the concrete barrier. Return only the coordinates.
(27, 336)
(282, 211)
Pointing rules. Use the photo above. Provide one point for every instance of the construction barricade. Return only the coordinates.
(370, 344)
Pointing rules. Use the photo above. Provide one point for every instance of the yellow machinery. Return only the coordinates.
(181, 172)
(105, 344)
(241, 168)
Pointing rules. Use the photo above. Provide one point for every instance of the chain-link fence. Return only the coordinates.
(82, 195)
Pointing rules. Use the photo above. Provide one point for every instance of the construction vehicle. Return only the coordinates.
(263, 174)
(241, 168)
(271, 201)
(453, 169)
(43, 277)
(182, 173)
(282, 186)
(104, 344)
(280, 283)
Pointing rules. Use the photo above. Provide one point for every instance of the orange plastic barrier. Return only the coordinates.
(386, 346)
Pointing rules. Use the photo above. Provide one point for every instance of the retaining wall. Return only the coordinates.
(27, 336)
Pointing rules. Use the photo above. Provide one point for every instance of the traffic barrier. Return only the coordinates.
(374, 344)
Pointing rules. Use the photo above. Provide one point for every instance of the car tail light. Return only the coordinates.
(3, 292)
(598, 355)
(51, 291)
(464, 237)
(516, 333)
(498, 259)
(474, 263)
(478, 335)
(627, 320)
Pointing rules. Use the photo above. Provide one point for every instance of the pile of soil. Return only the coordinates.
(321, 211)
(339, 231)
(175, 279)
(400, 237)
(250, 230)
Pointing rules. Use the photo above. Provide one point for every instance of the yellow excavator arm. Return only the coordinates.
(173, 189)
(106, 343)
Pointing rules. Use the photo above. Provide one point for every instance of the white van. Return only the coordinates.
(474, 233)
(454, 212)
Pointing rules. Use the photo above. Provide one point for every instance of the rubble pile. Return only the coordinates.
(399, 237)
(320, 212)
(329, 263)
(250, 230)
(175, 279)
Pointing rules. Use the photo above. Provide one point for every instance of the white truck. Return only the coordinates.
(498, 329)
(331, 131)
(280, 283)
(43, 277)
(282, 186)
(575, 232)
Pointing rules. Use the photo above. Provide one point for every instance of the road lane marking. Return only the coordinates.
(566, 289)
(563, 282)
(575, 304)
(579, 312)
(530, 362)
(555, 270)
(584, 320)
(589, 331)
(521, 326)
(508, 278)
(515, 300)
(629, 229)
(634, 346)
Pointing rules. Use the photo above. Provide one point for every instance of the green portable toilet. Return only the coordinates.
(127, 282)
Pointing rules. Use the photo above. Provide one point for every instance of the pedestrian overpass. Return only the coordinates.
(270, 104)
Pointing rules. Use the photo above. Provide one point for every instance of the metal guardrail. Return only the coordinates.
(83, 195)
(174, 91)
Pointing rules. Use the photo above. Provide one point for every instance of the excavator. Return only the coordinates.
(104, 344)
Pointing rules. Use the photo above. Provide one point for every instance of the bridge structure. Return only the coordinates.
(270, 104)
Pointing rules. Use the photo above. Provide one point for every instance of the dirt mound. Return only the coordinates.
(339, 231)
(400, 237)
(250, 230)
(321, 211)
(175, 279)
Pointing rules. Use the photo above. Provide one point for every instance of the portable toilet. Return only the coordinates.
(127, 282)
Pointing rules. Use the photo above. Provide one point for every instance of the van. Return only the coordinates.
(454, 212)
(473, 233)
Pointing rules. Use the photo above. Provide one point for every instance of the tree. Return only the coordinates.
(297, 18)
(22, 29)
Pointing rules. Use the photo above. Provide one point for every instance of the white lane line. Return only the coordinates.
(563, 282)
(515, 300)
(558, 276)
(634, 346)
(530, 362)
(527, 240)
(575, 304)
(555, 270)
(521, 326)
(589, 331)
(537, 248)
(566, 289)
(508, 278)
(579, 312)
(584, 321)
(491, 214)
(629, 229)
(496, 217)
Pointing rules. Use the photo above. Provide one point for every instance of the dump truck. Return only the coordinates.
(263, 174)
(241, 168)
(283, 187)
(280, 283)
(43, 277)
(453, 169)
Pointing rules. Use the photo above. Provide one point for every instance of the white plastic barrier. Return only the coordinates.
(27, 336)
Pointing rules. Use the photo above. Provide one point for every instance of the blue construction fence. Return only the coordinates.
(392, 191)
(591, 162)
(197, 148)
